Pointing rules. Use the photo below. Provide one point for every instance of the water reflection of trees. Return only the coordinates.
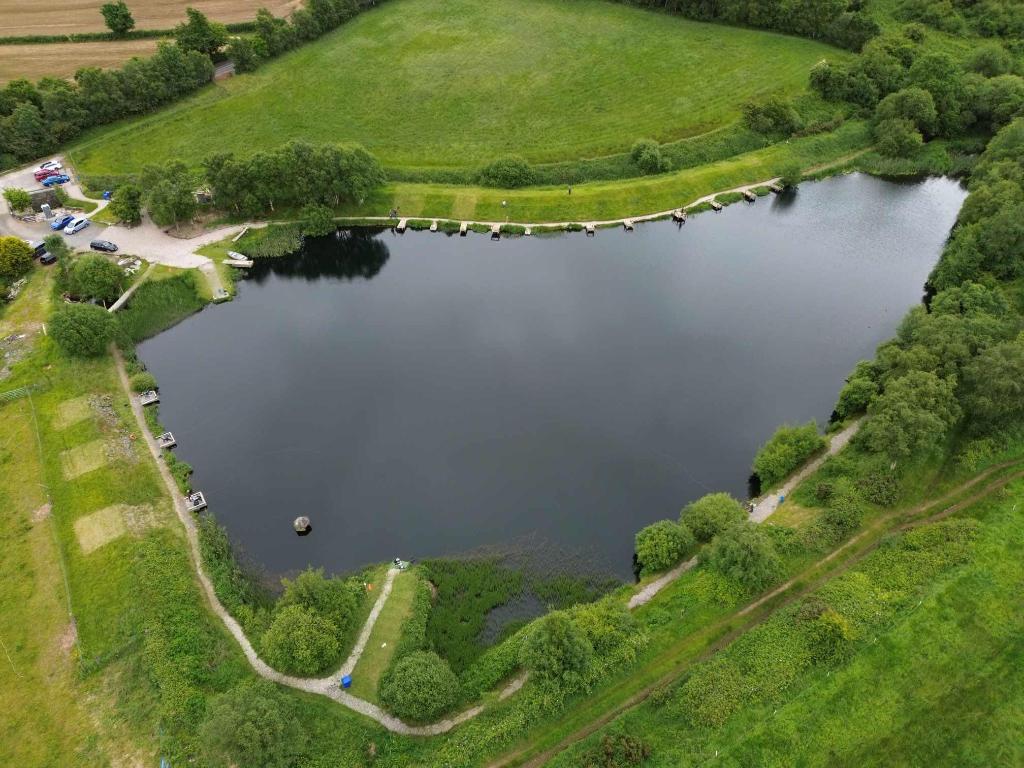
(345, 255)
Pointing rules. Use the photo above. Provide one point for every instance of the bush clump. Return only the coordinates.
(253, 724)
(788, 448)
(143, 381)
(711, 514)
(507, 172)
(773, 116)
(662, 544)
(745, 553)
(557, 650)
(82, 330)
(617, 751)
(419, 687)
(300, 642)
(646, 155)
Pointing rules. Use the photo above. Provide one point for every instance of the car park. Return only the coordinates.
(60, 178)
(103, 245)
(61, 221)
(77, 225)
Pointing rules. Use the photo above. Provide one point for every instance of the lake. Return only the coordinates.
(420, 394)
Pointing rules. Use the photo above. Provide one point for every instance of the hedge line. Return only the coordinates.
(240, 27)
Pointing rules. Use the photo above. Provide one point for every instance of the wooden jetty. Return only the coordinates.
(590, 229)
(495, 231)
(749, 196)
(240, 235)
(463, 228)
(679, 214)
(402, 223)
(627, 224)
(166, 440)
(195, 502)
(528, 232)
(149, 397)
(776, 188)
(433, 226)
(716, 206)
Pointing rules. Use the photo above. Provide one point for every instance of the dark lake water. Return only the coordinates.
(418, 394)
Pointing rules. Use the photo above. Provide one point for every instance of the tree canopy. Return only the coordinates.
(744, 552)
(711, 514)
(253, 724)
(117, 17)
(82, 330)
(419, 687)
(557, 649)
(15, 258)
(662, 544)
(300, 641)
(96, 277)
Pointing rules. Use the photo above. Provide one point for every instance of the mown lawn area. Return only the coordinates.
(456, 83)
(385, 635)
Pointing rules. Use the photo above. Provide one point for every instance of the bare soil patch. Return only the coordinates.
(84, 458)
(63, 59)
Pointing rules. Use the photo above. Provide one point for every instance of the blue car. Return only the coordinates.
(61, 221)
(60, 178)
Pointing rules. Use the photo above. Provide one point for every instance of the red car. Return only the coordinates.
(45, 173)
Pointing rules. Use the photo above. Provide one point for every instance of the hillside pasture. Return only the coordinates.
(454, 84)
(18, 18)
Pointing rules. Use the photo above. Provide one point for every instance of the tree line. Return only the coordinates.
(841, 22)
(314, 178)
(36, 118)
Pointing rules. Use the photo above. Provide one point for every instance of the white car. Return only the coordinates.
(51, 165)
(76, 226)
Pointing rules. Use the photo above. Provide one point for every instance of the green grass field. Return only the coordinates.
(454, 83)
(384, 637)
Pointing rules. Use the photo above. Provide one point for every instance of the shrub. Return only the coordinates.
(855, 396)
(711, 514)
(419, 687)
(15, 258)
(336, 600)
(253, 724)
(646, 155)
(317, 220)
(557, 650)
(913, 104)
(607, 624)
(144, 381)
(844, 511)
(880, 486)
(95, 277)
(787, 449)
(897, 137)
(300, 642)
(912, 416)
(831, 637)
(990, 60)
(745, 553)
(82, 330)
(17, 199)
(772, 116)
(662, 544)
(506, 172)
(791, 175)
(618, 750)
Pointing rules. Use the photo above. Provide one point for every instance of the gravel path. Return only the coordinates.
(364, 635)
(764, 508)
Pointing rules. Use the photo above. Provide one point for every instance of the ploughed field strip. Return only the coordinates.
(422, 83)
(64, 59)
(18, 18)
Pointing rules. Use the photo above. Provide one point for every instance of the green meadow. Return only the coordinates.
(455, 83)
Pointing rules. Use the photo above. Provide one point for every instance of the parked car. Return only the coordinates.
(52, 181)
(61, 221)
(103, 245)
(44, 173)
(54, 165)
(38, 248)
(77, 225)
(47, 258)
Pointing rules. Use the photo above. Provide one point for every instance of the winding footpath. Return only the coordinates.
(330, 686)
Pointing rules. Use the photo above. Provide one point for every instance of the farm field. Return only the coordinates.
(424, 83)
(20, 18)
(64, 59)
